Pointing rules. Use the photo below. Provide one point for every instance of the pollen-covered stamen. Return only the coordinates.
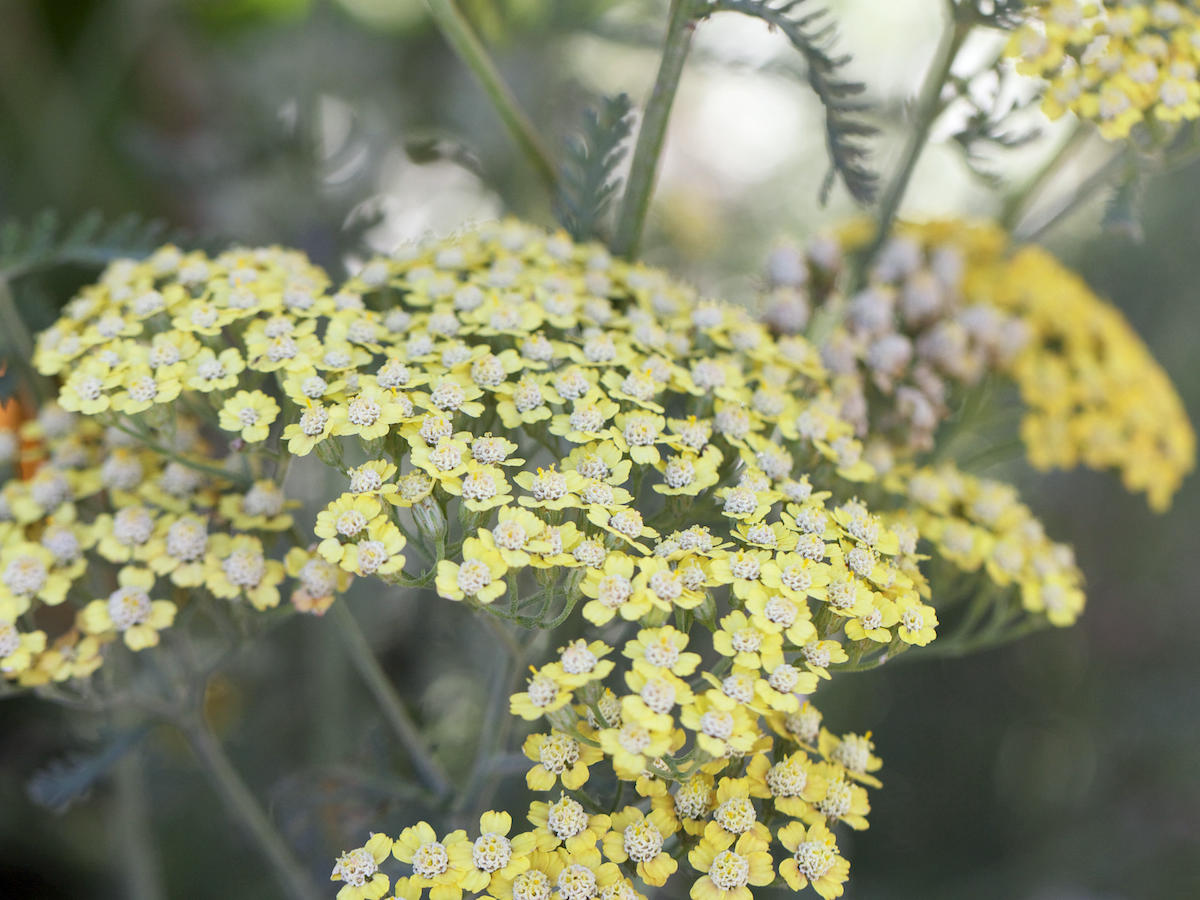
(679, 472)
(642, 841)
(187, 539)
(479, 486)
(717, 724)
(363, 411)
(614, 590)
(780, 610)
(314, 420)
(740, 501)
(244, 568)
(430, 860)
(746, 640)
(814, 859)
(577, 658)
(566, 818)
(576, 882)
(729, 870)
(350, 522)
(788, 778)
(558, 753)
(543, 691)
(491, 852)
(25, 575)
(912, 619)
(736, 815)
(133, 526)
(532, 885)
(356, 867)
(837, 800)
(128, 606)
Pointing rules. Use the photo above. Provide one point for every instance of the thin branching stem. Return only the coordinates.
(243, 806)
(643, 169)
(362, 655)
(929, 106)
(462, 38)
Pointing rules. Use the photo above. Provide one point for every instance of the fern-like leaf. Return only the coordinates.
(589, 178)
(813, 35)
(44, 243)
(65, 781)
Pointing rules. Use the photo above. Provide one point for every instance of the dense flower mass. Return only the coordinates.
(945, 306)
(1119, 63)
(731, 516)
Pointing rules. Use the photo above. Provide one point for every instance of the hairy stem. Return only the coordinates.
(929, 106)
(142, 874)
(291, 875)
(653, 131)
(462, 38)
(364, 660)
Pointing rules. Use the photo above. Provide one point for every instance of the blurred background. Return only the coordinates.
(1061, 768)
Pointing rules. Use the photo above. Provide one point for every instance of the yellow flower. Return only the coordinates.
(249, 414)
(853, 752)
(544, 695)
(359, 869)
(566, 822)
(558, 756)
(212, 371)
(18, 650)
(728, 871)
(638, 838)
(814, 860)
(480, 576)
(237, 569)
(343, 520)
(318, 582)
(441, 866)
(129, 611)
(370, 413)
(495, 857)
(377, 551)
(314, 425)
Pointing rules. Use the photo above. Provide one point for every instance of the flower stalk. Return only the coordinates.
(653, 131)
(462, 38)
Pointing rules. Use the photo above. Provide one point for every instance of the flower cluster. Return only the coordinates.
(556, 433)
(979, 525)
(106, 538)
(1118, 63)
(947, 304)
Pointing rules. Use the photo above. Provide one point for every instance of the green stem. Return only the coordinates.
(219, 472)
(364, 660)
(1084, 192)
(653, 131)
(462, 38)
(141, 870)
(1017, 206)
(929, 106)
(246, 809)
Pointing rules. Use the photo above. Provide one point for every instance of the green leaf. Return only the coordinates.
(43, 243)
(589, 178)
(814, 35)
(65, 781)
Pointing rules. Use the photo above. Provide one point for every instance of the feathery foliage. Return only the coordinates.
(63, 782)
(45, 242)
(813, 34)
(589, 177)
